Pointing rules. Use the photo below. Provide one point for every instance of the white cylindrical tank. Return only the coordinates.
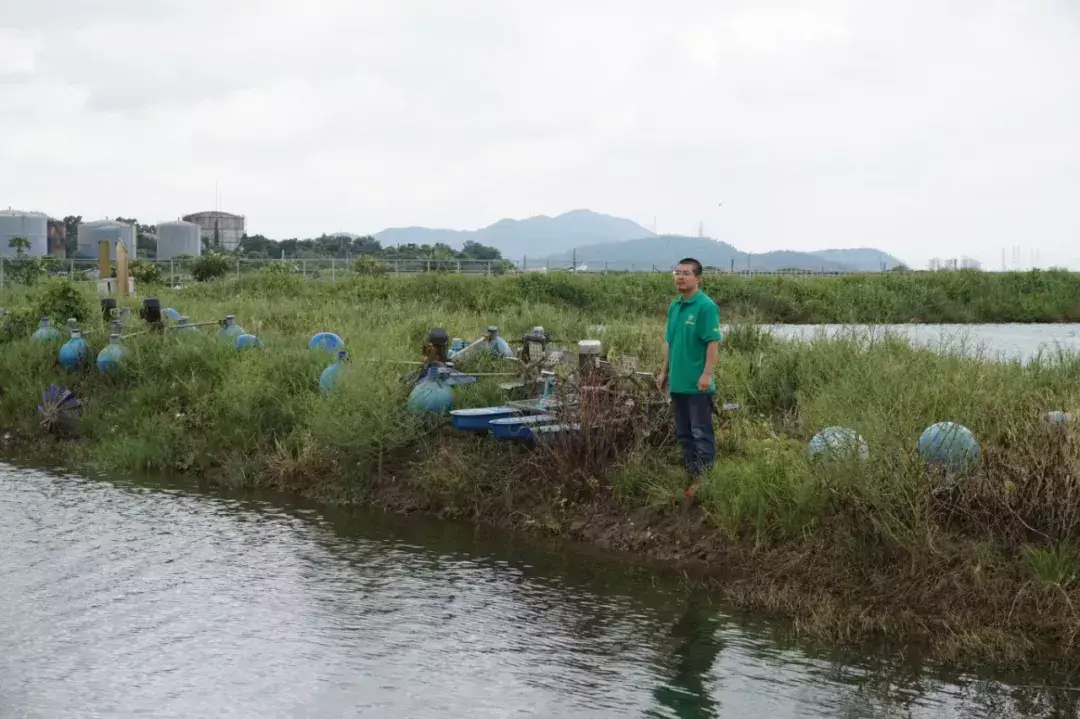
(34, 226)
(91, 233)
(175, 239)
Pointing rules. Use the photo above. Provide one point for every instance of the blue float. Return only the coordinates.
(246, 341)
(183, 325)
(949, 444)
(332, 374)
(230, 330)
(46, 332)
(74, 352)
(171, 314)
(431, 395)
(838, 442)
(108, 359)
(499, 346)
(326, 341)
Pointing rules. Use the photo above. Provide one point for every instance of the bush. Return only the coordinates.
(369, 266)
(211, 266)
(144, 272)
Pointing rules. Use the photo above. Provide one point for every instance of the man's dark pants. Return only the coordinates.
(694, 430)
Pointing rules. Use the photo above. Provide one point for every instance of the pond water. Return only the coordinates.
(128, 598)
(1011, 341)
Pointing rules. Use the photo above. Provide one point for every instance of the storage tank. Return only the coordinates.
(178, 238)
(31, 225)
(57, 238)
(224, 227)
(91, 233)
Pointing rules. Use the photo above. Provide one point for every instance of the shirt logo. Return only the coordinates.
(690, 320)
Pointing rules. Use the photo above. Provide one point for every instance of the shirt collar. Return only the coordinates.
(693, 298)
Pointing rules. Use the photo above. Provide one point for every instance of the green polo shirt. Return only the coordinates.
(691, 325)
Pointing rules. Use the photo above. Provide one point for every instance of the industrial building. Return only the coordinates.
(219, 227)
(34, 226)
(178, 239)
(57, 230)
(90, 235)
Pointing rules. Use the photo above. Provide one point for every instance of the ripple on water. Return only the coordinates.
(121, 599)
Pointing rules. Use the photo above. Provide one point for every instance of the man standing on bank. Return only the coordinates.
(691, 347)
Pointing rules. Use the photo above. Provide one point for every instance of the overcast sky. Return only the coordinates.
(922, 127)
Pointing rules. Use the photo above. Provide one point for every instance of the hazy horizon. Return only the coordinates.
(920, 129)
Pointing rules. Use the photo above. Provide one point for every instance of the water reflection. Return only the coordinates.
(685, 695)
(122, 599)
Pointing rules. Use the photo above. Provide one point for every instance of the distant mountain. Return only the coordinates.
(862, 258)
(664, 251)
(535, 236)
(595, 239)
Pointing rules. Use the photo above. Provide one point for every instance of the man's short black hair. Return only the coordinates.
(694, 265)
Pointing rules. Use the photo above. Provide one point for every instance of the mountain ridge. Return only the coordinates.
(619, 244)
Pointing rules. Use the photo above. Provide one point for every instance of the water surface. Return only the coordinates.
(1010, 341)
(124, 599)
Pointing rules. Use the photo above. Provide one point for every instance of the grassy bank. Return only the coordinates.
(850, 550)
(882, 298)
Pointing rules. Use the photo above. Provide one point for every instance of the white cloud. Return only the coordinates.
(921, 128)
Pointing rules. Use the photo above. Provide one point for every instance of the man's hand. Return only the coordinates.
(703, 382)
(661, 381)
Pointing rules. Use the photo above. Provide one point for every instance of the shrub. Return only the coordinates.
(211, 266)
(369, 266)
(145, 272)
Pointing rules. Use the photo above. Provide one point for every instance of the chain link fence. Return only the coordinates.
(178, 271)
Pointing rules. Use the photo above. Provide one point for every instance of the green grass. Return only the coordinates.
(849, 548)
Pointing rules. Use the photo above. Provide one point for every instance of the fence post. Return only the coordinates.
(333, 269)
(303, 268)
(487, 272)
(172, 272)
(459, 267)
(237, 266)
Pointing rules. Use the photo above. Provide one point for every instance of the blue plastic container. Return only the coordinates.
(519, 427)
(230, 330)
(74, 352)
(108, 359)
(478, 419)
(170, 314)
(332, 374)
(246, 341)
(431, 395)
(183, 326)
(326, 341)
(949, 444)
(46, 332)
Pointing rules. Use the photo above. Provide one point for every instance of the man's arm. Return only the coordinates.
(709, 332)
(712, 353)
